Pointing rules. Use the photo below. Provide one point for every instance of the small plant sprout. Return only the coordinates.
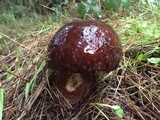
(155, 61)
(118, 110)
(147, 56)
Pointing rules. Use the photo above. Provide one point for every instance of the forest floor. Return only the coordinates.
(134, 88)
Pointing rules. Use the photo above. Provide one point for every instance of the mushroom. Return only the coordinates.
(77, 51)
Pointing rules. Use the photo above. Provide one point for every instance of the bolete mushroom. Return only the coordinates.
(77, 51)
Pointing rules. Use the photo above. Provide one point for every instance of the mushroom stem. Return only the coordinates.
(73, 82)
(74, 86)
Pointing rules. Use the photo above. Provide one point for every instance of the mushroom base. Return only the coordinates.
(74, 86)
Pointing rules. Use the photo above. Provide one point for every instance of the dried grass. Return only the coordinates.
(135, 89)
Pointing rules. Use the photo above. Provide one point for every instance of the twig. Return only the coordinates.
(17, 42)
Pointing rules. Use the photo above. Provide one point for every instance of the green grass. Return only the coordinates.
(1, 102)
(17, 29)
(140, 31)
(21, 27)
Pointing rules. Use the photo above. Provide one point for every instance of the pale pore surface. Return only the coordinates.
(74, 81)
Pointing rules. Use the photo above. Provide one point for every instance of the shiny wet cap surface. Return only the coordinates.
(84, 46)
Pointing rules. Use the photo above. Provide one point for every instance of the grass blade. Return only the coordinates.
(29, 85)
(27, 89)
(1, 102)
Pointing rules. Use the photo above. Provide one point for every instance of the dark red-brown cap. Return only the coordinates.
(85, 46)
